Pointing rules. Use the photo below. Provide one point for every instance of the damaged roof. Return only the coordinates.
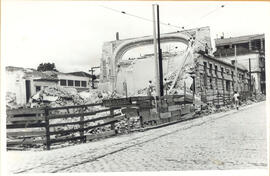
(32, 73)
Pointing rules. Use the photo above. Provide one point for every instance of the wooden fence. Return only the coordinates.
(47, 126)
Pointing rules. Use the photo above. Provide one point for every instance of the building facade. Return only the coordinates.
(79, 81)
(23, 83)
(216, 80)
(250, 52)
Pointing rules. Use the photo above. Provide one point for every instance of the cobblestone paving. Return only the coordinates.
(227, 140)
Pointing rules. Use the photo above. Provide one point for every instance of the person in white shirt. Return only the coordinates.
(236, 99)
(166, 85)
(149, 88)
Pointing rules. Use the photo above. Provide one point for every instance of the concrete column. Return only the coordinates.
(261, 44)
(259, 82)
(249, 45)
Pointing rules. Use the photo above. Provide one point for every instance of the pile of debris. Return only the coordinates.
(11, 100)
(56, 96)
(260, 97)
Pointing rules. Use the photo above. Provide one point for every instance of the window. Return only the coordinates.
(227, 71)
(204, 66)
(63, 82)
(70, 83)
(83, 83)
(205, 80)
(210, 68)
(38, 88)
(227, 46)
(77, 83)
(211, 83)
(232, 74)
(216, 69)
(227, 85)
(222, 71)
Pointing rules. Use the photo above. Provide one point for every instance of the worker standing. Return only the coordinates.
(149, 88)
(166, 86)
(236, 99)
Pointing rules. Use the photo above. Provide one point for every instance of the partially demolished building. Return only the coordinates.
(195, 63)
(23, 83)
(250, 51)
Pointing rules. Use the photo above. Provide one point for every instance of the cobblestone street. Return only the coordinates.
(226, 140)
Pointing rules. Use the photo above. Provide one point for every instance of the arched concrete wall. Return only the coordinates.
(113, 51)
(127, 45)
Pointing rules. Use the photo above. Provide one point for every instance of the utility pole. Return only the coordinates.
(235, 64)
(160, 57)
(249, 65)
(155, 53)
(92, 73)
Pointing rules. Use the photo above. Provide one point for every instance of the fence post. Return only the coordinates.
(47, 122)
(112, 114)
(82, 127)
(128, 123)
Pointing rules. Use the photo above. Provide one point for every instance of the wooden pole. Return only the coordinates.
(82, 127)
(250, 87)
(235, 64)
(48, 141)
(161, 89)
(155, 53)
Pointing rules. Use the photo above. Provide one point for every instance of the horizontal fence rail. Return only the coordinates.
(47, 126)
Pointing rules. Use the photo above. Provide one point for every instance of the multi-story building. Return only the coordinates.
(216, 80)
(250, 52)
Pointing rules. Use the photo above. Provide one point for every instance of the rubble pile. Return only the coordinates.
(56, 96)
(260, 97)
(11, 100)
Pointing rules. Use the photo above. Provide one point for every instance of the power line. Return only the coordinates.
(163, 23)
(139, 17)
(209, 13)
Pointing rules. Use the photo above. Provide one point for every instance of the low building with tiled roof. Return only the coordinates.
(26, 82)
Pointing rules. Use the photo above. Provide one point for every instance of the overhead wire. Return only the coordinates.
(139, 17)
(163, 23)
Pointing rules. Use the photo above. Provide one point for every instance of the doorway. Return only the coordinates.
(28, 90)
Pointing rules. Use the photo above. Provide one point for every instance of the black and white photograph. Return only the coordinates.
(135, 87)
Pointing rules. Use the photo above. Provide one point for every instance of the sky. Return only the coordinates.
(71, 34)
